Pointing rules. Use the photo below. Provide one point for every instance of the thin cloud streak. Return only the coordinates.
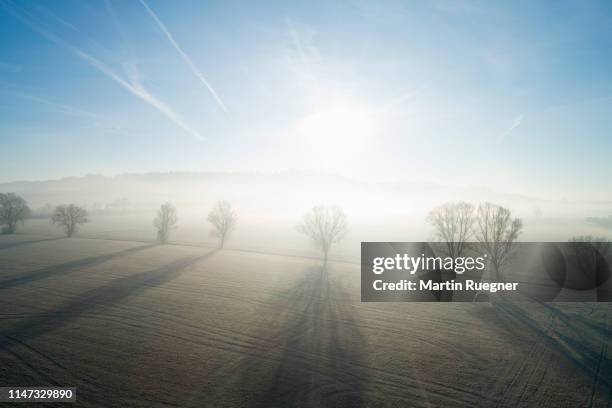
(133, 86)
(515, 123)
(136, 88)
(182, 53)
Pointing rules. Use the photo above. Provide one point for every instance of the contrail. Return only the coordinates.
(134, 86)
(515, 123)
(182, 53)
(138, 90)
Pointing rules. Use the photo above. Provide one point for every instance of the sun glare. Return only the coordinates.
(337, 132)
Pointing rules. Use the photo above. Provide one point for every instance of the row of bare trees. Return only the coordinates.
(222, 217)
(323, 225)
(456, 225)
(14, 210)
(459, 225)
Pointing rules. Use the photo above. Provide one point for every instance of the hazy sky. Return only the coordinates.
(511, 95)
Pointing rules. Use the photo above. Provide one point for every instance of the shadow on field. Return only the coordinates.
(22, 243)
(97, 300)
(65, 268)
(314, 358)
(573, 338)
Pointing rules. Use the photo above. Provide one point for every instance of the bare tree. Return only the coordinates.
(69, 217)
(453, 225)
(325, 226)
(497, 233)
(587, 253)
(13, 209)
(165, 221)
(223, 219)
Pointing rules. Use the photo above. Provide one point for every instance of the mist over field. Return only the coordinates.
(271, 205)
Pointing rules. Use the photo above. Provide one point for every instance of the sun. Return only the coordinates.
(337, 132)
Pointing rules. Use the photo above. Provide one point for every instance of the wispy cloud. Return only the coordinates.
(516, 122)
(132, 85)
(183, 55)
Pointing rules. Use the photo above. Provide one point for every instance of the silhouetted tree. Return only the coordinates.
(165, 221)
(69, 217)
(588, 251)
(223, 219)
(497, 232)
(453, 225)
(13, 209)
(325, 226)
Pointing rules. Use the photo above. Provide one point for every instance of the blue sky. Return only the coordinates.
(514, 96)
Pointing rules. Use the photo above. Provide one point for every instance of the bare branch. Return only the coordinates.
(497, 232)
(223, 219)
(69, 217)
(453, 225)
(325, 226)
(13, 209)
(165, 221)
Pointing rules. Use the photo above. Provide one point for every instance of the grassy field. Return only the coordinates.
(135, 324)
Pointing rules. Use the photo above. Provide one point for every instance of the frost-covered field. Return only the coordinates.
(133, 324)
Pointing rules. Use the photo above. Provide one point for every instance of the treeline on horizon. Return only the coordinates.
(454, 223)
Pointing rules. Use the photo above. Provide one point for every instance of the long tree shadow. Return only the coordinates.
(314, 357)
(581, 343)
(97, 300)
(66, 267)
(23, 243)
